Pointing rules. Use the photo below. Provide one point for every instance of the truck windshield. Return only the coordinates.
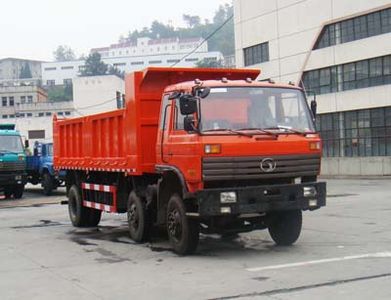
(244, 108)
(10, 143)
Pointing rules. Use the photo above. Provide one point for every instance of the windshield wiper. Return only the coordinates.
(288, 129)
(231, 131)
(260, 130)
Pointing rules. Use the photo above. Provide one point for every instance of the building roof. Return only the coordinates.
(20, 59)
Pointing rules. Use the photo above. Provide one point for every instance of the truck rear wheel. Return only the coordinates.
(285, 227)
(8, 192)
(80, 215)
(47, 184)
(18, 191)
(183, 232)
(139, 224)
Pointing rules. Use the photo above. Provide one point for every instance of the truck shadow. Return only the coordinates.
(209, 245)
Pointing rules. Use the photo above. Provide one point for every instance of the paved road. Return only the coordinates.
(344, 253)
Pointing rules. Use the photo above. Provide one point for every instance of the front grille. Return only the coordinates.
(12, 166)
(240, 168)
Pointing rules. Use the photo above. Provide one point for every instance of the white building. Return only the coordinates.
(128, 58)
(342, 51)
(146, 46)
(96, 93)
(35, 120)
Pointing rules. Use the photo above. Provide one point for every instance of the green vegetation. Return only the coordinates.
(94, 66)
(25, 71)
(222, 41)
(64, 53)
(57, 93)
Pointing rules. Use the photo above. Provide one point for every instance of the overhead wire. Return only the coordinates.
(204, 41)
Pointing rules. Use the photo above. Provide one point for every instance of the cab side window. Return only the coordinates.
(164, 120)
(178, 120)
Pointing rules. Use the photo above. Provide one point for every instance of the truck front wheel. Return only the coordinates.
(285, 227)
(139, 224)
(18, 191)
(47, 184)
(183, 232)
(80, 215)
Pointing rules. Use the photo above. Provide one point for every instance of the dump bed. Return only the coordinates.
(124, 140)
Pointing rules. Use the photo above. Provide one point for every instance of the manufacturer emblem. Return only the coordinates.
(268, 165)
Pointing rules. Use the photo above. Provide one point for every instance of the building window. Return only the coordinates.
(50, 82)
(29, 115)
(36, 134)
(11, 101)
(29, 99)
(191, 59)
(41, 114)
(20, 115)
(4, 101)
(355, 29)
(119, 64)
(67, 68)
(256, 54)
(5, 116)
(12, 116)
(171, 61)
(67, 113)
(133, 63)
(48, 114)
(152, 62)
(60, 113)
(356, 133)
(22, 99)
(355, 75)
(50, 69)
(67, 81)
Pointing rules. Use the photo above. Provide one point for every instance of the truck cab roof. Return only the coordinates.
(188, 85)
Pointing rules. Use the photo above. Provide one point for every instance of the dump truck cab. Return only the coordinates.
(12, 162)
(242, 154)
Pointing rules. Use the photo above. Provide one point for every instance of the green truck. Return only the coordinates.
(12, 162)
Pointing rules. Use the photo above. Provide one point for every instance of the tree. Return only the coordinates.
(64, 53)
(192, 21)
(25, 71)
(209, 63)
(115, 71)
(94, 66)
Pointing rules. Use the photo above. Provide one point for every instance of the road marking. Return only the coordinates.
(322, 261)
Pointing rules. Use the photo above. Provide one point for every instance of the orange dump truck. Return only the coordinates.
(195, 150)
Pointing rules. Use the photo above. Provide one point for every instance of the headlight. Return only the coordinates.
(18, 177)
(228, 197)
(212, 149)
(314, 145)
(309, 191)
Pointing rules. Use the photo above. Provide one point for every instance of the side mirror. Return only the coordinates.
(188, 104)
(201, 92)
(188, 124)
(26, 144)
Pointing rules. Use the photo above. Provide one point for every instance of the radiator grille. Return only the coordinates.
(239, 168)
(12, 166)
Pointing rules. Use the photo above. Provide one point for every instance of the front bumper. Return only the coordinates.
(12, 178)
(261, 199)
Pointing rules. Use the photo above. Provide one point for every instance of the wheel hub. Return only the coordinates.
(174, 225)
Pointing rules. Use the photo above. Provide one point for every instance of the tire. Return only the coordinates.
(47, 184)
(80, 215)
(7, 192)
(285, 227)
(183, 232)
(18, 191)
(138, 221)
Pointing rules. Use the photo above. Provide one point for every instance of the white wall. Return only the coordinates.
(96, 93)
